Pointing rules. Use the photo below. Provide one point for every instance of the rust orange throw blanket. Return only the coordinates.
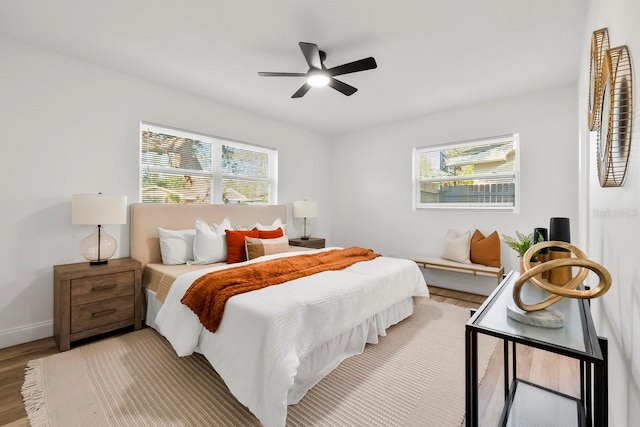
(209, 293)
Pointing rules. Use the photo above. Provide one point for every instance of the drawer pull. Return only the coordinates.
(103, 313)
(103, 287)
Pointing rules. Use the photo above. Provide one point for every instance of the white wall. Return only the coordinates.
(372, 182)
(612, 238)
(71, 127)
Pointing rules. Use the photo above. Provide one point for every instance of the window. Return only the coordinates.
(185, 167)
(479, 174)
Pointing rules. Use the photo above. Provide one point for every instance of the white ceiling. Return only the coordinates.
(432, 55)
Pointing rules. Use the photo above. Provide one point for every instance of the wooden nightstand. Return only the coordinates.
(93, 299)
(311, 242)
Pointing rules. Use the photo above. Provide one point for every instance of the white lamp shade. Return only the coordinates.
(305, 209)
(98, 209)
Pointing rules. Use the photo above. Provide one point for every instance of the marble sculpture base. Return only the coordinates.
(543, 318)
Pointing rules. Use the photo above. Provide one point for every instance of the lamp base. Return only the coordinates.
(98, 247)
(305, 230)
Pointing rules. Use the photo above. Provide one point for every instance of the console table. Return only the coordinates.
(527, 403)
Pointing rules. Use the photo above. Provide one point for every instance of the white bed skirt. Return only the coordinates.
(153, 307)
(327, 356)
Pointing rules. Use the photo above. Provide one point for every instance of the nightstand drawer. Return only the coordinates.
(311, 242)
(88, 316)
(99, 288)
(315, 245)
(89, 300)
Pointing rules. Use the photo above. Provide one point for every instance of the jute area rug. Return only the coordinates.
(413, 377)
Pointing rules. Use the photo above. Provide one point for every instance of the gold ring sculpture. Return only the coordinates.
(569, 289)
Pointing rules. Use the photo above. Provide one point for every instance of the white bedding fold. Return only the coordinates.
(265, 333)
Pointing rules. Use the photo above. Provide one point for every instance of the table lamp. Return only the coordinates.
(98, 209)
(305, 209)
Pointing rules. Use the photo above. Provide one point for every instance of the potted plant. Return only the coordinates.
(521, 244)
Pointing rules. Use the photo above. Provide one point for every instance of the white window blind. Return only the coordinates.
(185, 167)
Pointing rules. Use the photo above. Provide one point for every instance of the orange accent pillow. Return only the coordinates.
(270, 234)
(235, 244)
(485, 250)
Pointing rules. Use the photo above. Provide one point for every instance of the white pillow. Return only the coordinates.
(176, 246)
(220, 228)
(457, 247)
(276, 224)
(210, 242)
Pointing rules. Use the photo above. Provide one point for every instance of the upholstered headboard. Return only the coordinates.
(147, 217)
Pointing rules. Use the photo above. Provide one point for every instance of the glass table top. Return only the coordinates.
(572, 336)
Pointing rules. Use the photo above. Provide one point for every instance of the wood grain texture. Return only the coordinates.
(99, 288)
(90, 300)
(13, 361)
(311, 242)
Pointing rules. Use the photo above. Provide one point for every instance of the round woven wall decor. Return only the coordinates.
(616, 113)
(599, 45)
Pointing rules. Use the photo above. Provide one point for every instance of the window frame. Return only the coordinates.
(216, 174)
(417, 180)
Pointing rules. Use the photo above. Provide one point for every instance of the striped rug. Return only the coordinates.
(413, 377)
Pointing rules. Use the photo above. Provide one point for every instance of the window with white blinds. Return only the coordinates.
(478, 174)
(185, 167)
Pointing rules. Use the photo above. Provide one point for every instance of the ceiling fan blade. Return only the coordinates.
(311, 54)
(269, 74)
(355, 66)
(301, 92)
(342, 87)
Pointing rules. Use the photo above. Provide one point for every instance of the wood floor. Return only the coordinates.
(540, 367)
(550, 370)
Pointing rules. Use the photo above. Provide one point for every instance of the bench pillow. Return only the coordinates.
(485, 250)
(457, 247)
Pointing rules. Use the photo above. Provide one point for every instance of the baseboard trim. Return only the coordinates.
(27, 333)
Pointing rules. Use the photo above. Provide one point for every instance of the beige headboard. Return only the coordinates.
(147, 217)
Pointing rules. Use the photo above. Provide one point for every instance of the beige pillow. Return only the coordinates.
(259, 247)
(457, 247)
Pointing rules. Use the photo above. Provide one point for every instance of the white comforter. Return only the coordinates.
(265, 333)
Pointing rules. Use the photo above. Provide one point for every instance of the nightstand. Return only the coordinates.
(311, 242)
(92, 299)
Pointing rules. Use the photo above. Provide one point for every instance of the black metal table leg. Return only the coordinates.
(601, 387)
(471, 368)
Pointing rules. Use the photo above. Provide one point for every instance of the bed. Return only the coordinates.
(275, 343)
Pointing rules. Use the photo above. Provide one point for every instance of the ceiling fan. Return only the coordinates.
(319, 75)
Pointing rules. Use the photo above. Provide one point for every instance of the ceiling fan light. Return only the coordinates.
(318, 79)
